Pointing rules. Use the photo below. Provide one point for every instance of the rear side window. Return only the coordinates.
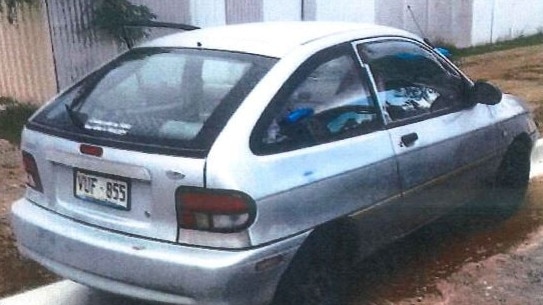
(326, 99)
(172, 98)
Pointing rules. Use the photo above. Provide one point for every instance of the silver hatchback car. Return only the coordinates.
(252, 164)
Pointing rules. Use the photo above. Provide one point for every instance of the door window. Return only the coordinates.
(410, 80)
(327, 99)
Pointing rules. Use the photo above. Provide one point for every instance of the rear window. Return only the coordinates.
(156, 99)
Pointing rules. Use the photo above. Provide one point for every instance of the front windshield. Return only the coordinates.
(158, 96)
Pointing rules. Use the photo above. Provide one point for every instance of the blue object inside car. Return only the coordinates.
(298, 114)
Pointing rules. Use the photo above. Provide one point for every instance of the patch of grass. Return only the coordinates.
(522, 41)
(13, 116)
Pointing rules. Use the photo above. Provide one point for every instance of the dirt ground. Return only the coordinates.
(518, 71)
(476, 255)
(16, 273)
(513, 277)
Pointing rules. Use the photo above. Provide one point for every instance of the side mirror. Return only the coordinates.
(484, 93)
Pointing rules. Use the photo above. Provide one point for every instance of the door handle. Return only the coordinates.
(409, 139)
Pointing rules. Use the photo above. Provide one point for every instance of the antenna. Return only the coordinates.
(421, 31)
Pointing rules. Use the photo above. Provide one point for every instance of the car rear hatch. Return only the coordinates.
(127, 191)
(113, 150)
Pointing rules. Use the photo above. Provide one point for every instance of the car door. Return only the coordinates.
(444, 145)
(320, 151)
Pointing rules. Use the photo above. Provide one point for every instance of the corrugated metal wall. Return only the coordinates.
(281, 10)
(62, 28)
(77, 47)
(80, 49)
(30, 71)
(26, 59)
(345, 10)
(441, 21)
(242, 11)
(169, 10)
(499, 20)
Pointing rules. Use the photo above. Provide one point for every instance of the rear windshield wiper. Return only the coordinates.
(75, 117)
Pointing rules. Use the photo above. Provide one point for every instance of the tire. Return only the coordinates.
(318, 273)
(514, 171)
(507, 195)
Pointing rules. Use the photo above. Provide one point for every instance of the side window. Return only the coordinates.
(411, 80)
(325, 100)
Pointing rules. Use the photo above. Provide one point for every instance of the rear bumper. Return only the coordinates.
(148, 269)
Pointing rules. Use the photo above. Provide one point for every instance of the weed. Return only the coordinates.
(13, 116)
(522, 41)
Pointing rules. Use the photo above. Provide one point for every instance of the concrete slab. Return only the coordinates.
(537, 159)
(69, 293)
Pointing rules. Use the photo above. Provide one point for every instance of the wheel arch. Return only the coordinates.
(523, 138)
(341, 231)
(335, 241)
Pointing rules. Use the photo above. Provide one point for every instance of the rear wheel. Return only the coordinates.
(318, 273)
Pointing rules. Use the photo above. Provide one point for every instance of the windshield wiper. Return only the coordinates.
(74, 117)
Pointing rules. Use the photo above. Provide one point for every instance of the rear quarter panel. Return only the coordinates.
(298, 190)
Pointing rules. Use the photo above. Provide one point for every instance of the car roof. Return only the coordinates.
(274, 39)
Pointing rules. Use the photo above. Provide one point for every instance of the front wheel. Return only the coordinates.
(514, 171)
(511, 180)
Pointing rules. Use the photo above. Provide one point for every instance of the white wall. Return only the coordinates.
(345, 10)
(498, 20)
(282, 10)
(463, 23)
(450, 22)
(208, 13)
(528, 17)
(442, 21)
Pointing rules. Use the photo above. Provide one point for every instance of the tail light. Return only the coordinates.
(32, 176)
(91, 150)
(214, 210)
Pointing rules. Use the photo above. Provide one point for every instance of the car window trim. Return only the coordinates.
(368, 76)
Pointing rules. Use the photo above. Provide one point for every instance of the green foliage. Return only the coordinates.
(112, 16)
(13, 116)
(10, 7)
(522, 41)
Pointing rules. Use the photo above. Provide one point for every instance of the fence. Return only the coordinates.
(54, 44)
(26, 58)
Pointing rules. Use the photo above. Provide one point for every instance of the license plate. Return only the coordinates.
(109, 190)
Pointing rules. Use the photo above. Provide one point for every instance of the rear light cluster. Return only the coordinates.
(214, 210)
(32, 176)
